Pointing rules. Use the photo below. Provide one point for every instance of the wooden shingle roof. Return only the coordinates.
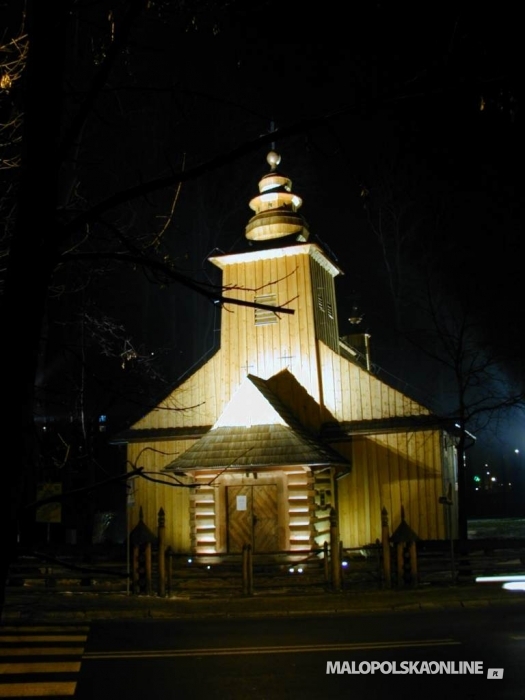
(256, 430)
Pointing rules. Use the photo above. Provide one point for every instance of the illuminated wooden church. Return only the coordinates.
(286, 420)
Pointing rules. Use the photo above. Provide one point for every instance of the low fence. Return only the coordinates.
(151, 568)
(360, 569)
(465, 561)
(245, 572)
(52, 572)
(397, 561)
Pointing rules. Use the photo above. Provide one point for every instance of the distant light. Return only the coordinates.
(291, 570)
(493, 478)
(516, 578)
(517, 451)
(345, 563)
(514, 586)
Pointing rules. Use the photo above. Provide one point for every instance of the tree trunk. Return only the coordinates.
(30, 264)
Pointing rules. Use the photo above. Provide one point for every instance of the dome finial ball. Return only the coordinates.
(273, 159)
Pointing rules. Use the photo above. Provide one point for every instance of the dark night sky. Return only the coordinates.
(395, 90)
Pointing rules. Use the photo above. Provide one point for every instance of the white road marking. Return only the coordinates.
(232, 651)
(33, 641)
(25, 638)
(36, 690)
(41, 667)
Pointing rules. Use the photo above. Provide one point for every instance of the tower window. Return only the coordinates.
(264, 317)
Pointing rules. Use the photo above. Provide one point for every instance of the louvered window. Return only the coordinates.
(263, 317)
(325, 308)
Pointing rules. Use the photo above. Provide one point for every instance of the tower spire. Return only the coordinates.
(272, 129)
(276, 207)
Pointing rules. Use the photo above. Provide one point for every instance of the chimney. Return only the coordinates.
(360, 342)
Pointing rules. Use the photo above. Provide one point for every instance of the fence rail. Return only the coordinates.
(52, 573)
(145, 572)
(244, 570)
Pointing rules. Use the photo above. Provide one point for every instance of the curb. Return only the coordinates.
(27, 608)
(55, 616)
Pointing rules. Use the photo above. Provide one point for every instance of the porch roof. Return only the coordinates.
(255, 446)
(256, 430)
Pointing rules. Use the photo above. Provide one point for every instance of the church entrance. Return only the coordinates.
(252, 518)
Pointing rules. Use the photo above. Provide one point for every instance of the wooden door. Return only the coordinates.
(240, 527)
(252, 518)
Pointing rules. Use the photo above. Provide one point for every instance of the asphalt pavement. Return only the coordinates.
(32, 605)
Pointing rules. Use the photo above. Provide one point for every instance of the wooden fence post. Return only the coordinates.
(161, 530)
(400, 546)
(247, 570)
(334, 551)
(250, 570)
(326, 562)
(405, 540)
(169, 571)
(414, 578)
(244, 569)
(147, 567)
(385, 539)
(141, 539)
(135, 570)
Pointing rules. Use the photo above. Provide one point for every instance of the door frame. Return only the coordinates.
(276, 478)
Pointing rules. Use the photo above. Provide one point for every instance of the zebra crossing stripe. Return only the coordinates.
(48, 628)
(42, 651)
(20, 648)
(37, 690)
(24, 638)
(41, 667)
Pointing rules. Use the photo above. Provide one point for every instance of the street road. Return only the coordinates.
(287, 658)
(284, 658)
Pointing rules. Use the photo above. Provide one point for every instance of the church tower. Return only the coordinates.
(282, 270)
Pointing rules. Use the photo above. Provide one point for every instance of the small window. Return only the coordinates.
(263, 317)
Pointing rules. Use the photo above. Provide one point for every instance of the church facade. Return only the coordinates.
(287, 422)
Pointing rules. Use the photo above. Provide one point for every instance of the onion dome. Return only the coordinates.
(276, 208)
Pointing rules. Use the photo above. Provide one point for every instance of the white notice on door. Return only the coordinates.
(241, 502)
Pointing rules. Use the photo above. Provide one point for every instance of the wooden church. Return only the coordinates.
(286, 421)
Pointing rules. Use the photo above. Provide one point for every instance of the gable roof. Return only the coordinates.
(256, 430)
